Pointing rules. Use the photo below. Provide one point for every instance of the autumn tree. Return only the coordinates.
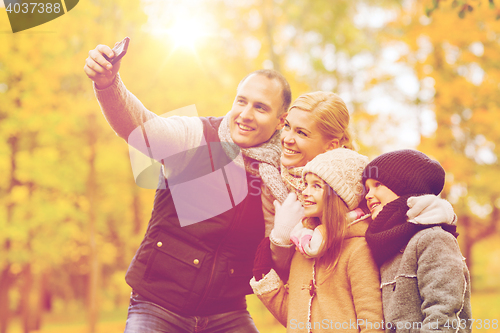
(455, 61)
(71, 213)
(52, 163)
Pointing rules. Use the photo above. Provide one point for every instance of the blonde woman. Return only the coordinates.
(317, 122)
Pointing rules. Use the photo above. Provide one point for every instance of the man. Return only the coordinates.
(188, 276)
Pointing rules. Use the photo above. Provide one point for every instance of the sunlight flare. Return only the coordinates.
(184, 25)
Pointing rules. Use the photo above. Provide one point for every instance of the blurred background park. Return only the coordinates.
(421, 74)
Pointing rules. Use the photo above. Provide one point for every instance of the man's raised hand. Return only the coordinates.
(98, 69)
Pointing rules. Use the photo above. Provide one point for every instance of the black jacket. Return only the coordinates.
(202, 268)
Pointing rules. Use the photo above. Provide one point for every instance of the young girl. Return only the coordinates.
(336, 286)
(425, 282)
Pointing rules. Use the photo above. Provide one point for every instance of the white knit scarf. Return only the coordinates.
(267, 155)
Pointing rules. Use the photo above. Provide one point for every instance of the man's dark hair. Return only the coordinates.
(286, 92)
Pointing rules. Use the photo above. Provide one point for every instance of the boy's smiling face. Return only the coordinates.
(378, 196)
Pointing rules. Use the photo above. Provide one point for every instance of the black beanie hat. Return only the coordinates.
(406, 172)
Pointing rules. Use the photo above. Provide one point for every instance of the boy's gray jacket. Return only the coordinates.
(426, 287)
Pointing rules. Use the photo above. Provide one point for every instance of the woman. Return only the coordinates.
(317, 122)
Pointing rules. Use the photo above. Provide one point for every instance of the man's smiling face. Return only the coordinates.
(255, 114)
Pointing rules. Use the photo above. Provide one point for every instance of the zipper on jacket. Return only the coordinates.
(231, 227)
(234, 221)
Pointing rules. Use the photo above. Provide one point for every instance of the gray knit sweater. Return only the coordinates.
(426, 287)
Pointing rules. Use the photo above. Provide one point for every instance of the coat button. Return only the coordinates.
(159, 244)
(196, 261)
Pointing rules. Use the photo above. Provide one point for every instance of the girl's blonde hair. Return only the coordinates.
(334, 219)
(330, 114)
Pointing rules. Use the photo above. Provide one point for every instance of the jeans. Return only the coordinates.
(147, 317)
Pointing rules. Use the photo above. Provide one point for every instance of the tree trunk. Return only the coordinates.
(136, 207)
(40, 304)
(93, 258)
(6, 280)
(6, 277)
(25, 304)
(467, 244)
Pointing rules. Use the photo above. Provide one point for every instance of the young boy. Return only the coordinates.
(424, 280)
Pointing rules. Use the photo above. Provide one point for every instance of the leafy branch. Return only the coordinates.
(463, 6)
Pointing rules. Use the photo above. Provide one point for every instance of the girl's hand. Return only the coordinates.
(286, 216)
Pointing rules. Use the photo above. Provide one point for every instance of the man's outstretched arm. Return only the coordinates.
(125, 113)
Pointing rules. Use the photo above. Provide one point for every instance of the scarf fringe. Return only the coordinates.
(267, 155)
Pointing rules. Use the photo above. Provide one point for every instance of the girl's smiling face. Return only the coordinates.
(378, 196)
(313, 195)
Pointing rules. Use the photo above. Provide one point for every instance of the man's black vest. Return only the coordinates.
(203, 268)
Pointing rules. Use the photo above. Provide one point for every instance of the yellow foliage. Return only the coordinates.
(19, 194)
(49, 100)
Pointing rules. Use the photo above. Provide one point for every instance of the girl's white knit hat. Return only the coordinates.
(342, 169)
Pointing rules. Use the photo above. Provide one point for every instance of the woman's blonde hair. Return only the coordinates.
(330, 114)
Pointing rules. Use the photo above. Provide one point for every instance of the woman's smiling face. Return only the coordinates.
(301, 140)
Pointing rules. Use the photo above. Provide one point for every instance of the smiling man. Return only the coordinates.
(195, 278)
(258, 109)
